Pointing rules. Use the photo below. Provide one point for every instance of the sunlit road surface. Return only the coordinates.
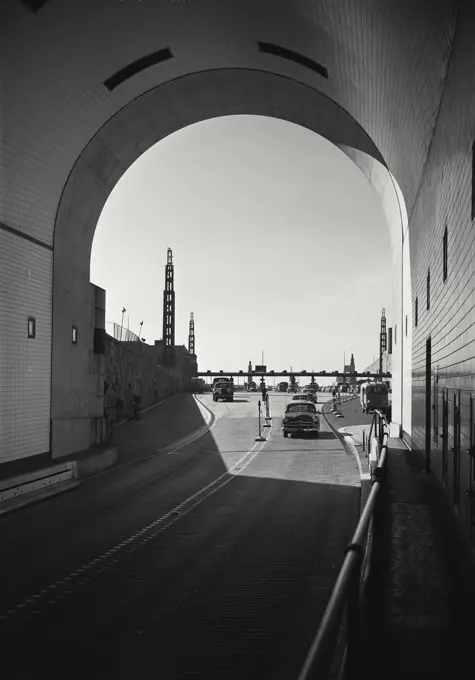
(213, 562)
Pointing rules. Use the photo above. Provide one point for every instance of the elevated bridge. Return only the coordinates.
(302, 374)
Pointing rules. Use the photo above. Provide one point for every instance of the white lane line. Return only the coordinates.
(173, 515)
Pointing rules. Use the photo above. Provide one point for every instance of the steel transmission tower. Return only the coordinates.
(191, 335)
(169, 312)
(382, 340)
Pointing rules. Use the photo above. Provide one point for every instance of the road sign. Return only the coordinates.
(260, 369)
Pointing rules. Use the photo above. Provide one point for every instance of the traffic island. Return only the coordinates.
(349, 423)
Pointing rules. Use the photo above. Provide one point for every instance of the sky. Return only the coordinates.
(279, 243)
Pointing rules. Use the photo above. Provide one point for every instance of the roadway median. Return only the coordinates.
(349, 423)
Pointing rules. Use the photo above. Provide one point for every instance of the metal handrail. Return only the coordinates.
(347, 592)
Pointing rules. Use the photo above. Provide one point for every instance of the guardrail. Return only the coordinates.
(322, 661)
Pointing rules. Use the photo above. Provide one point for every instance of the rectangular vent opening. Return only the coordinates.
(136, 67)
(34, 5)
(290, 55)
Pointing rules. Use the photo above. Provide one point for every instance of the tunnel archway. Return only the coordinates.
(76, 408)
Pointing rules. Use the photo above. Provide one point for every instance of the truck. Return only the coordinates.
(282, 387)
(197, 385)
(223, 388)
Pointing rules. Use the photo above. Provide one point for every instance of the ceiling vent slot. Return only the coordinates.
(136, 67)
(290, 55)
(34, 5)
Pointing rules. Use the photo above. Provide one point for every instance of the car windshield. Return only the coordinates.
(301, 408)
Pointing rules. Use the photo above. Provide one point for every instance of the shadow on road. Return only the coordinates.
(240, 577)
(309, 435)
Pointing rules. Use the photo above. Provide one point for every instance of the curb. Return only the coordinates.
(350, 448)
(37, 496)
(97, 462)
(193, 436)
(81, 469)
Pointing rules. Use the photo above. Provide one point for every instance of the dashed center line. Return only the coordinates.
(37, 603)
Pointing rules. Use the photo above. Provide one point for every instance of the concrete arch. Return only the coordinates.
(76, 406)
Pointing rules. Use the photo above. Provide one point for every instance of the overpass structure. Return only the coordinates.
(307, 374)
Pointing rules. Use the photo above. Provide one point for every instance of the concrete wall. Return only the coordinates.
(77, 414)
(134, 368)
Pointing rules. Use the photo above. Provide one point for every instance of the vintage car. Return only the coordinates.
(310, 394)
(299, 417)
(304, 396)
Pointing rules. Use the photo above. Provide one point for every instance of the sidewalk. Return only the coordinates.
(353, 423)
(421, 589)
(170, 424)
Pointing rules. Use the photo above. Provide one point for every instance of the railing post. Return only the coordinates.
(353, 669)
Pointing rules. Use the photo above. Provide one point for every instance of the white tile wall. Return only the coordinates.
(25, 363)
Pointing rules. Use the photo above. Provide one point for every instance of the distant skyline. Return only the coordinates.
(279, 244)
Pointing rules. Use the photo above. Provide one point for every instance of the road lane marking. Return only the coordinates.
(99, 564)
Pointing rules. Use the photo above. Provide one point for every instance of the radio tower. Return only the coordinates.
(169, 312)
(191, 335)
(382, 340)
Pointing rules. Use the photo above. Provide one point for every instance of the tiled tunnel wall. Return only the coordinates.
(444, 202)
(387, 62)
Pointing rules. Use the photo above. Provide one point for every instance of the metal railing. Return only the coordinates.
(322, 661)
(122, 334)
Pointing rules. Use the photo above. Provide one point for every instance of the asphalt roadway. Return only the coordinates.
(215, 561)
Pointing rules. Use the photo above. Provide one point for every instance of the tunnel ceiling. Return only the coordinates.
(71, 65)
